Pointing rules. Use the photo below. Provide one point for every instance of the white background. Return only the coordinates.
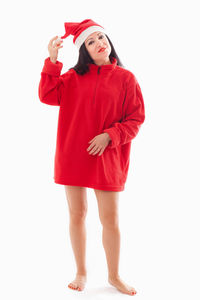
(159, 215)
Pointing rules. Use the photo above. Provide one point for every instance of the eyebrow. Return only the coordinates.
(92, 38)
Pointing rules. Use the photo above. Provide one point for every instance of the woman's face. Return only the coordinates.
(94, 43)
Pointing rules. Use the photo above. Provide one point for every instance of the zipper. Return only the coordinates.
(98, 72)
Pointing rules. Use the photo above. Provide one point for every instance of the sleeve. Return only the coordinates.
(133, 116)
(51, 83)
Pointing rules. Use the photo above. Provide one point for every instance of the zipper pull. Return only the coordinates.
(99, 70)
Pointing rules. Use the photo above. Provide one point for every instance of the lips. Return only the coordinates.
(102, 49)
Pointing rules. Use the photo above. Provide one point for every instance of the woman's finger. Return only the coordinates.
(51, 40)
(57, 47)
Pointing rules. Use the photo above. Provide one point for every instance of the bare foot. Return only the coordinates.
(122, 286)
(78, 283)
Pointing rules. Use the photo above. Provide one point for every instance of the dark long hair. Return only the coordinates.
(84, 59)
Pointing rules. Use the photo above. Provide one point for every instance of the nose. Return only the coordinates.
(100, 44)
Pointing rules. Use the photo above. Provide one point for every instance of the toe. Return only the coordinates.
(79, 286)
(71, 285)
(75, 287)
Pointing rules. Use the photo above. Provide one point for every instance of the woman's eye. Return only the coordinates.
(92, 41)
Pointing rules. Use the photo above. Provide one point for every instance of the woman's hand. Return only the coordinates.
(53, 48)
(99, 143)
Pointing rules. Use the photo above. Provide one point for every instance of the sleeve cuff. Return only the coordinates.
(112, 135)
(51, 68)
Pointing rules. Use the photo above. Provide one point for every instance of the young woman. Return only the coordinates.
(101, 111)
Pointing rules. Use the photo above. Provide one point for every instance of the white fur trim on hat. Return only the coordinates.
(84, 34)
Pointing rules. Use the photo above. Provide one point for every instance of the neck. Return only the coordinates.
(104, 62)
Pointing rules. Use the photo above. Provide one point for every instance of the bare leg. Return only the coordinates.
(77, 203)
(108, 213)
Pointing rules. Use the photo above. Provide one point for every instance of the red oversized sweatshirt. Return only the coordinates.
(106, 99)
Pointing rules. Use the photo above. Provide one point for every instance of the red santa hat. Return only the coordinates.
(81, 30)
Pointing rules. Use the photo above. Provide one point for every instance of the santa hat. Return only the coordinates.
(81, 30)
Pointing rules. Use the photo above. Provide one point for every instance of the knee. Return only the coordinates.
(78, 217)
(110, 221)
